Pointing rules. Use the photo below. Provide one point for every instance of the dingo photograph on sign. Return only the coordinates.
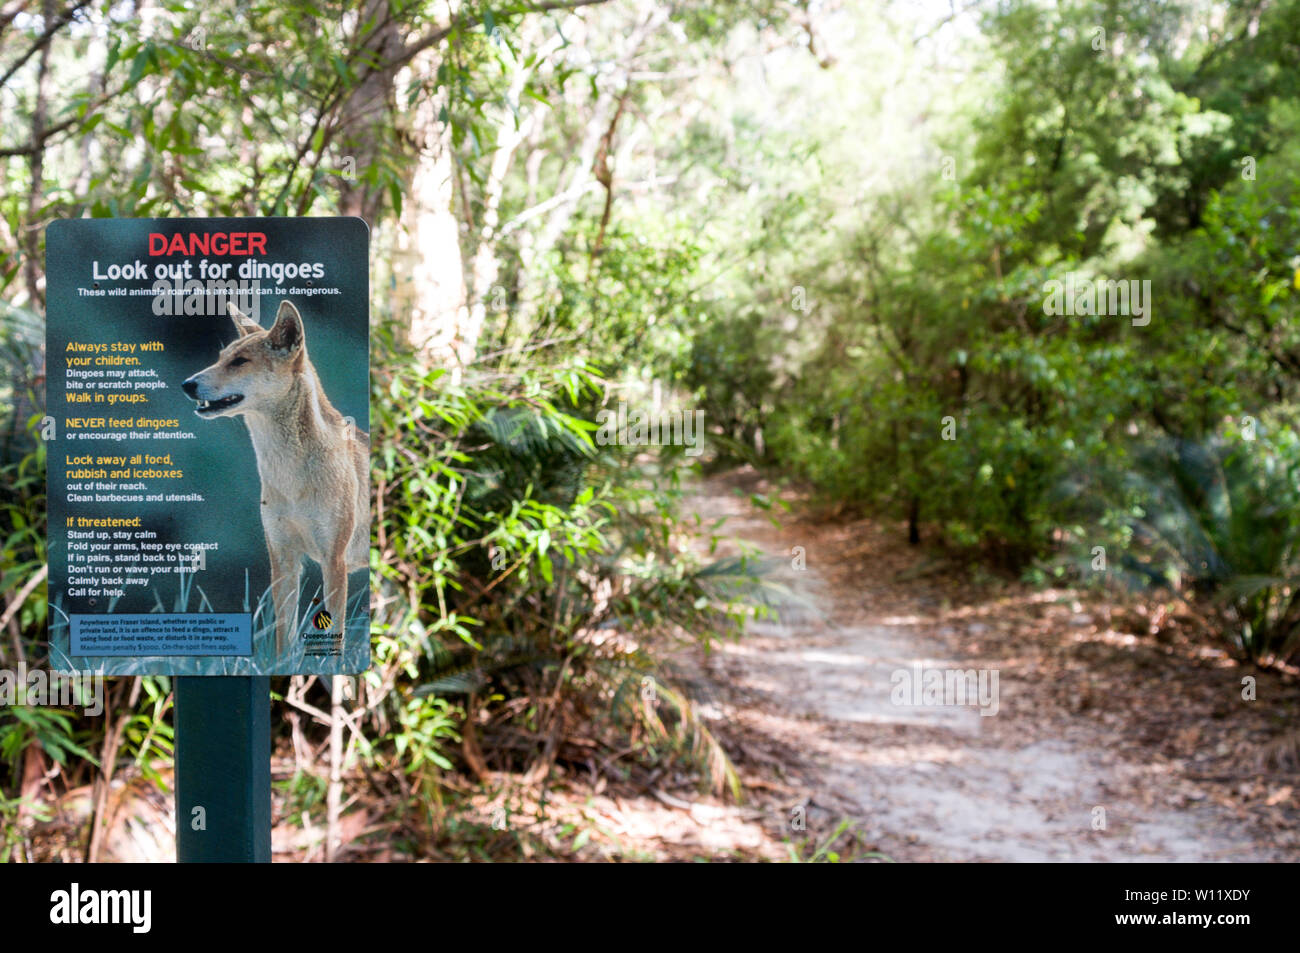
(312, 463)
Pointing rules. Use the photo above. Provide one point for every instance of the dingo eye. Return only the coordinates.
(237, 362)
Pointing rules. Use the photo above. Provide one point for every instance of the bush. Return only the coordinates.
(1220, 518)
(530, 576)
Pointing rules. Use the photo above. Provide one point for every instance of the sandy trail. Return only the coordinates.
(925, 782)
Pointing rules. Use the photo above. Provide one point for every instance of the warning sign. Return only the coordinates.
(208, 446)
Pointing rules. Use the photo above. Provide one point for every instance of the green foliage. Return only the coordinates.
(812, 851)
(12, 835)
(304, 793)
(147, 735)
(52, 729)
(1222, 518)
(519, 561)
(22, 461)
(942, 389)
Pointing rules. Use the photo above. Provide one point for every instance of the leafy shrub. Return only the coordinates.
(1221, 519)
(529, 574)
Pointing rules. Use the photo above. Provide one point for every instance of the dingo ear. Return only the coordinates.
(286, 333)
(243, 322)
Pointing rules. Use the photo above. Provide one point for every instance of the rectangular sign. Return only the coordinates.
(208, 445)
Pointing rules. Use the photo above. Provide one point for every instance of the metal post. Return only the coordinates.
(223, 769)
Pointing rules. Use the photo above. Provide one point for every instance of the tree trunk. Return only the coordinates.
(364, 118)
(429, 283)
(427, 261)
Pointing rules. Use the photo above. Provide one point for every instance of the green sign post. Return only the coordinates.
(223, 769)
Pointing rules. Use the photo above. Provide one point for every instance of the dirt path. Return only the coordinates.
(1065, 751)
(1149, 728)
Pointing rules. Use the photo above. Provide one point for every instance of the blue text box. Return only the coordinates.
(162, 633)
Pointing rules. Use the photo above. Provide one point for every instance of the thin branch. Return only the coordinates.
(42, 41)
(23, 593)
(433, 38)
(50, 131)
